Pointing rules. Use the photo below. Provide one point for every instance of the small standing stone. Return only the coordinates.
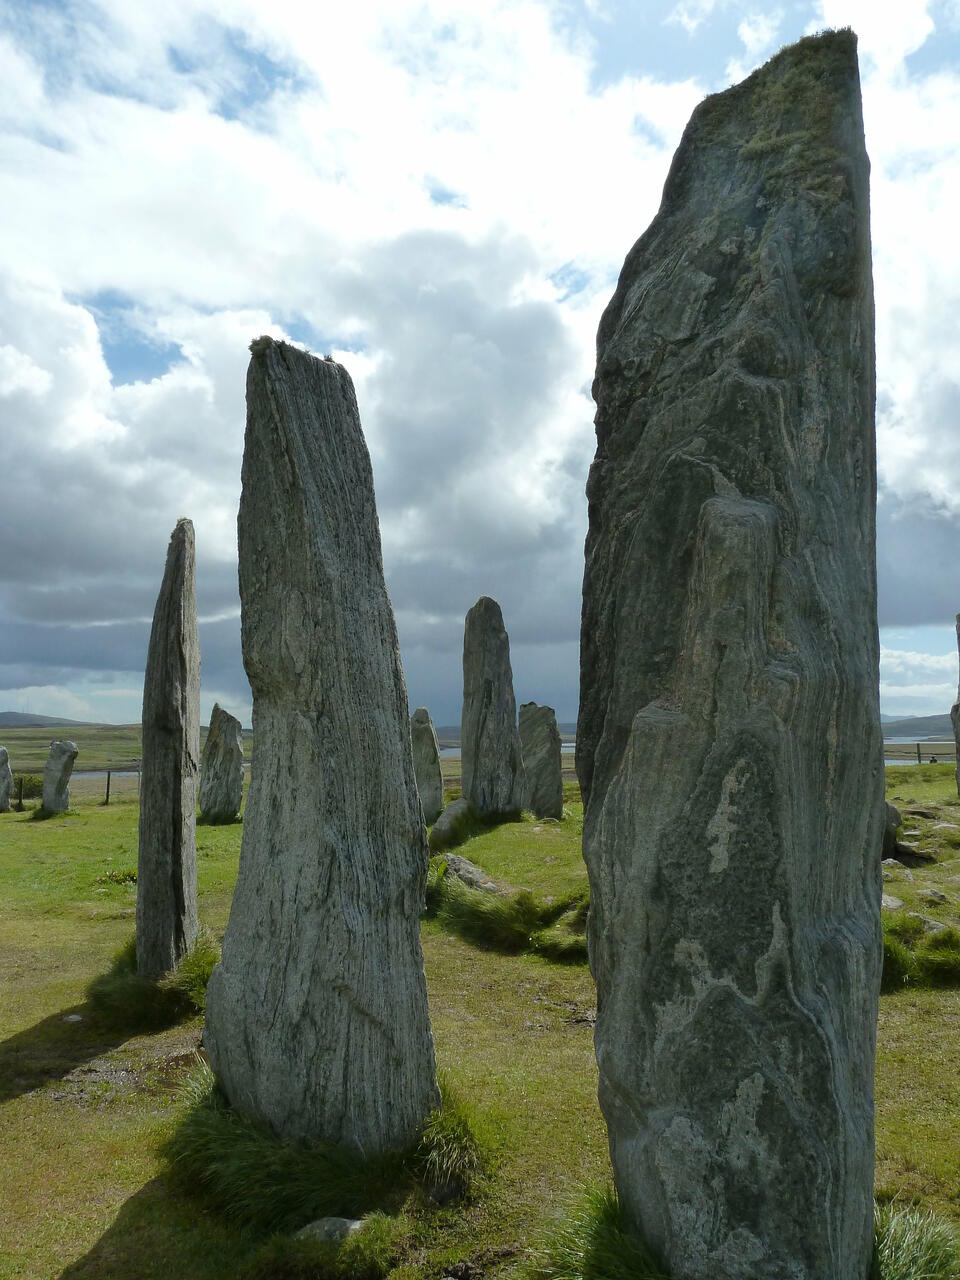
(542, 748)
(170, 753)
(490, 756)
(221, 767)
(56, 775)
(6, 780)
(955, 717)
(426, 764)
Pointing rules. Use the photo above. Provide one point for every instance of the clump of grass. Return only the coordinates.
(256, 1179)
(119, 875)
(913, 1244)
(913, 957)
(367, 1254)
(122, 997)
(591, 1242)
(511, 922)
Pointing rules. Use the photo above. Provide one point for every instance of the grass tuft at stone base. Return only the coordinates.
(122, 998)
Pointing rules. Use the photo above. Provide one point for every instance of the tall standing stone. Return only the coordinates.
(955, 717)
(56, 775)
(6, 780)
(729, 745)
(170, 754)
(317, 1022)
(490, 758)
(221, 767)
(542, 749)
(426, 764)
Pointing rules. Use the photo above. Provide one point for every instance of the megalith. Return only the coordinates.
(221, 768)
(6, 780)
(316, 1018)
(728, 745)
(426, 764)
(541, 746)
(56, 775)
(170, 756)
(955, 717)
(490, 758)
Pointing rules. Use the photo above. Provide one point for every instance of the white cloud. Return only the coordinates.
(887, 32)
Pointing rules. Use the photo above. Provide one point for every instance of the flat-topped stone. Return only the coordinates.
(541, 746)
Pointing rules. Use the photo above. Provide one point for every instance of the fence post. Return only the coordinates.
(107, 798)
(20, 794)
(919, 760)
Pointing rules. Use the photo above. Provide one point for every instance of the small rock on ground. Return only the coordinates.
(889, 903)
(329, 1229)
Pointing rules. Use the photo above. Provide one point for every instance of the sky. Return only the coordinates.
(441, 196)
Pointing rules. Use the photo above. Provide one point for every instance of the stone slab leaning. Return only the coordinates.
(728, 745)
(316, 1018)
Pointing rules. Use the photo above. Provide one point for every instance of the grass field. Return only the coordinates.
(110, 746)
(84, 1109)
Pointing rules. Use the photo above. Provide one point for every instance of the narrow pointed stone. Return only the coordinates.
(426, 764)
(729, 746)
(317, 1023)
(6, 780)
(221, 767)
(542, 760)
(955, 717)
(170, 754)
(491, 761)
(56, 775)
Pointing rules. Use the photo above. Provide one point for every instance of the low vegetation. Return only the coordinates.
(122, 998)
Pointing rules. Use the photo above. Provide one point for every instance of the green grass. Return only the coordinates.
(367, 1254)
(105, 746)
(121, 997)
(911, 1244)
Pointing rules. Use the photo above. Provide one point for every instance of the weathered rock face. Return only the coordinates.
(729, 745)
(6, 780)
(221, 767)
(426, 764)
(490, 758)
(955, 715)
(170, 755)
(892, 822)
(56, 775)
(317, 1022)
(453, 826)
(541, 746)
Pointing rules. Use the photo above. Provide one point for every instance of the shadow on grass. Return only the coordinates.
(52, 1048)
(204, 821)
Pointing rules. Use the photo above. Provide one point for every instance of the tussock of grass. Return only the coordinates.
(911, 1244)
(368, 1254)
(252, 1177)
(121, 997)
(591, 1242)
(913, 957)
(509, 923)
(118, 876)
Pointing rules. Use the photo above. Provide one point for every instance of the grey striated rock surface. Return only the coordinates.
(491, 761)
(453, 826)
(729, 744)
(6, 780)
(316, 1020)
(56, 775)
(892, 821)
(955, 715)
(221, 767)
(170, 755)
(541, 747)
(426, 764)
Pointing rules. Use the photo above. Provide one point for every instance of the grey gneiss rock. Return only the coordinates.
(453, 826)
(56, 775)
(541, 747)
(892, 821)
(491, 761)
(221, 767)
(955, 716)
(170, 754)
(316, 1018)
(426, 764)
(6, 780)
(729, 745)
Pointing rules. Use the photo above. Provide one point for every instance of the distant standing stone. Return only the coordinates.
(6, 780)
(542, 751)
(170, 754)
(729, 746)
(56, 775)
(426, 764)
(221, 767)
(955, 717)
(491, 761)
(317, 1023)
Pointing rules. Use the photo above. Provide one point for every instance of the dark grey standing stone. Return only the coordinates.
(426, 764)
(955, 717)
(6, 781)
(221, 767)
(56, 775)
(491, 762)
(892, 822)
(729, 746)
(542, 748)
(170, 754)
(317, 1022)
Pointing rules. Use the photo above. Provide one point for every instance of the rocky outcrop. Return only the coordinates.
(221, 767)
(490, 758)
(426, 764)
(955, 716)
(541, 747)
(316, 1018)
(56, 775)
(6, 781)
(729, 747)
(170, 755)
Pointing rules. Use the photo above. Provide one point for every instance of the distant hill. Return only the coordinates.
(28, 720)
(919, 727)
(448, 735)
